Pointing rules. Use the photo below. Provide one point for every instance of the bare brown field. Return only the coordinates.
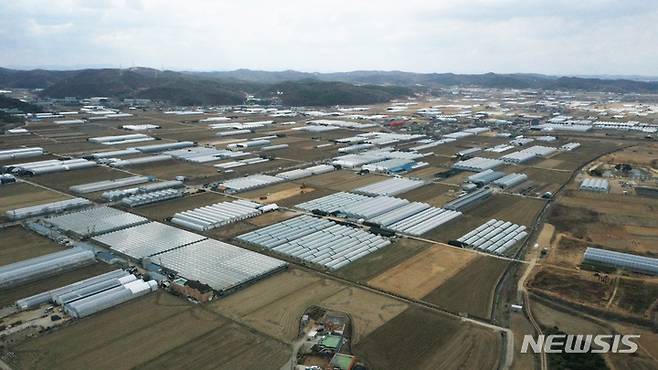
(309, 193)
(367, 310)
(588, 151)
(19, 244)
(375, 263)
(472, 289)
(455, 228)
(614, 221)
(423, 340)
(640, 155)
(148, 329)
(637, 297)
(567, 251)
(9, 296)
(580, 287)
(519, 210)
(421, 274)
(161, 210)
(229, 347)
(275, 306)
(457, 179)
(644, 359)
(433, 194)
(425, 173)
(276, 192)
(22, 194)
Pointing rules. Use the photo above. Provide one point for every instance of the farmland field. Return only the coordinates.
(419, 275)
(19, 244)
(422, 340)
(148, 332)
(472, 289)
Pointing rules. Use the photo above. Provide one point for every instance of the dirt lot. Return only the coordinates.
(472, 289)
(516, 209)
(614, 221)
(421, 274)
(9, 296)
(375, 263)
(19, 244)
(140, 334)
(573, 324)
(420, 339)
(581, 287)
(21, 195)
(275, 306)
(276, 193)
(433, 194)
(637, 297)
(367, 310)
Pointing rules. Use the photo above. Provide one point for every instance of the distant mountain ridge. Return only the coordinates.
(291, 87)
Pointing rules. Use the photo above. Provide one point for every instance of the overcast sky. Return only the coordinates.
(463, 36)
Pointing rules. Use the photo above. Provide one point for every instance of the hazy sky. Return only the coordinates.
(463, 36)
